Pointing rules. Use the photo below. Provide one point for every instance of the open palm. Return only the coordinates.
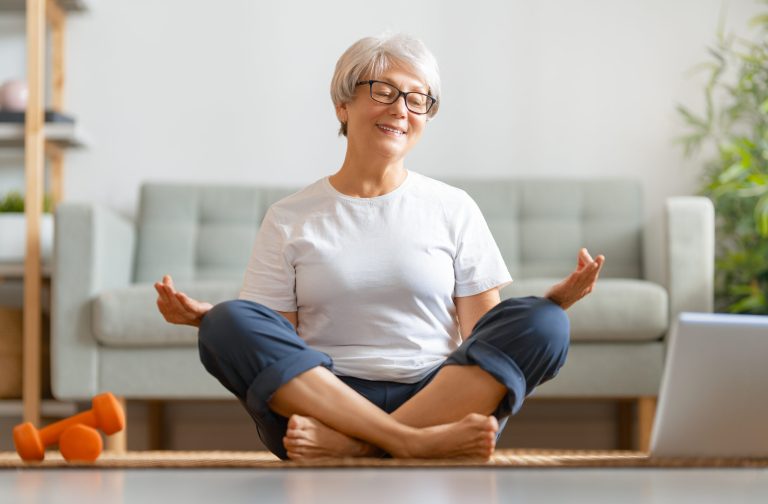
(178, 308)
(579, 283)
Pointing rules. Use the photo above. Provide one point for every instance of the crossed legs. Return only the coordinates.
(328, 418)
(256, 354)
(449, 417)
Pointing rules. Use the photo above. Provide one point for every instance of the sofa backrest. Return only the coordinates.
(206, 232)
(199, 232)
(540, 224)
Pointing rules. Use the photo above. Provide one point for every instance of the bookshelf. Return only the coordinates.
(41, 141)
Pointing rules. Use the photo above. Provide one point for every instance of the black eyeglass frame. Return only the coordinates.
(370, 82)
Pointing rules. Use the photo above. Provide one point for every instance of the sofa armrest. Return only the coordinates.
(690, 254)
(93, 252)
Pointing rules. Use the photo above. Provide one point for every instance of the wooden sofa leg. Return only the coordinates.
(646, 410)
(625, 422)
(156, 425)
(118, 442)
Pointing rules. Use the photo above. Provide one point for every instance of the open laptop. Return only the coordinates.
(713, 400)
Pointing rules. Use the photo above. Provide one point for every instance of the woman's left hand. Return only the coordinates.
(579, 283)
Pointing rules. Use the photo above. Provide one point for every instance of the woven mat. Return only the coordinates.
(502, 458)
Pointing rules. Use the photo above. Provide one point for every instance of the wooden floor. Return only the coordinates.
(265, 460)
(377, 485)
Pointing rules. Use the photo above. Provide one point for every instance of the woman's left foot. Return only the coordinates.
(307, 438)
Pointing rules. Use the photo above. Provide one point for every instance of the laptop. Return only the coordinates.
(713, 400)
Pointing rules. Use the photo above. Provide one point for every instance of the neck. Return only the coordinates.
(368, 177)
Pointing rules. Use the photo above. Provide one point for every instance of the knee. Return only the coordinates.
(224, 321)
(550, 327)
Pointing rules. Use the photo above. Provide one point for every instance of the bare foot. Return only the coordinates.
(307, 438)
(474, 436)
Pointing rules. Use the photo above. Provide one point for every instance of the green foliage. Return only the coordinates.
(14, 203)
(735, 126)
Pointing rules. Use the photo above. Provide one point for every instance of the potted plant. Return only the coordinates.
(735, 127)
(13, 227)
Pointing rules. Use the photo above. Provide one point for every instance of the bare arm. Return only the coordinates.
(470, 308)
(292, 316)
(178, 308)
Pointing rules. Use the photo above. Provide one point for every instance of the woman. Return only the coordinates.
(370, 319)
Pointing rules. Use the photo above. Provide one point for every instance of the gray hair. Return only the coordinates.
(372, 56)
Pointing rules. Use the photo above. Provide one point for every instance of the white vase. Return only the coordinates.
(13, 237)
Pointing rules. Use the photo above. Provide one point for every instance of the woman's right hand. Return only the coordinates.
(178, 308)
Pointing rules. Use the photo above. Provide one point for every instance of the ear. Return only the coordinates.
(341, 113)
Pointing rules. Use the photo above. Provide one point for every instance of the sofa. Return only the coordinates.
(107, 334)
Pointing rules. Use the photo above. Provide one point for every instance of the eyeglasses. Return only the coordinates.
(382, 92)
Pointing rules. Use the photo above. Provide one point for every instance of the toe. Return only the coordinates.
(294, 422)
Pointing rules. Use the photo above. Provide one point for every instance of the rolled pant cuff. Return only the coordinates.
(281, 372)
(499, 365)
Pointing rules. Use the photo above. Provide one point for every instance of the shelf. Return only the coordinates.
(41, 146)
(62, 134)
(49, 408)
(21, 5)
(16, 270)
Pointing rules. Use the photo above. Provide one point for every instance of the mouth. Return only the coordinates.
(391, 130)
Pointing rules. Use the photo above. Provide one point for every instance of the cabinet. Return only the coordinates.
(40, 141)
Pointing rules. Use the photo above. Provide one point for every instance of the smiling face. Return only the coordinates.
(374, 128)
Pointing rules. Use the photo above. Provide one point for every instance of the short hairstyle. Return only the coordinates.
(372, 56)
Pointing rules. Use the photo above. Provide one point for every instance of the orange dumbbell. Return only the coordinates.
(80, 443)
(106, 414)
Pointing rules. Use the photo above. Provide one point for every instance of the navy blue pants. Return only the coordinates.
(253, 350)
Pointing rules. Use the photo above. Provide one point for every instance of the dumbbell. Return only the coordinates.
(80, 443)
(105, 414)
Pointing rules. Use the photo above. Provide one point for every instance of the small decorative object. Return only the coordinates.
(13, 95)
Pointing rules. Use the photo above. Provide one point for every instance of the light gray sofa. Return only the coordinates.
(107, 334)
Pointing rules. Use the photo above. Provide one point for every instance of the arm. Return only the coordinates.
(469, 309)
(293, 318)
(178, 308)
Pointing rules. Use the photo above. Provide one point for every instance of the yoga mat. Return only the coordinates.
(261, 459)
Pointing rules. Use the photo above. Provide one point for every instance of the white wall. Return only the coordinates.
(238, 90)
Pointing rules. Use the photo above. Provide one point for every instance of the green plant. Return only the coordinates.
(14, 203)
(735, 127)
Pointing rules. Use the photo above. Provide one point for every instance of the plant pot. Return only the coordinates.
(13, 237)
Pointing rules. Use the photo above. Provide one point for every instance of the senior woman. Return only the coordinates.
(370, 319)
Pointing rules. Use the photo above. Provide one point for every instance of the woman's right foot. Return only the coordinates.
(474, 436)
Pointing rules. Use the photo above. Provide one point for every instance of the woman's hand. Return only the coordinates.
(579, 283)
(177, 307)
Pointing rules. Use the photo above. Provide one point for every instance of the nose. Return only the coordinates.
(399, 107)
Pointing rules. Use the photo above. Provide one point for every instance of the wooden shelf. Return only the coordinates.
(16, 270)
(21, 5)
(45, 26)
(62, 134)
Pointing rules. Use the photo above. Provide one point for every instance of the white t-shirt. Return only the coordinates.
(373, 279)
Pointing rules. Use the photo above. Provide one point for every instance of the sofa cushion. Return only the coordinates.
(616, 310)
(129, 317)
